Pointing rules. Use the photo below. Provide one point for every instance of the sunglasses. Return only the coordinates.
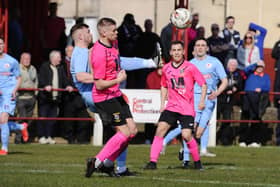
(248, 37)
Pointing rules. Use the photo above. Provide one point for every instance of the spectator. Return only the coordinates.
(147, 47)
(52, 76)
(231, 36)
(166, 38)
(152, 82)
(73, 106)
(218, 47)
(200, 34)
(26, 100)
(255, 102)
(192, 31)
(226, 100)
(259, 34)
(276, 55)
(128, 35)
(53, 32)
(247, 53)
(16, 35)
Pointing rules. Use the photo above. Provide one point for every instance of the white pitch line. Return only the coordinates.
(193, 181)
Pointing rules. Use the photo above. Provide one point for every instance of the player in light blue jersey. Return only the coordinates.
(213, 72)
(9, 83)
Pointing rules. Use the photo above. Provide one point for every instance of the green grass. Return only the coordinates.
(64, 165)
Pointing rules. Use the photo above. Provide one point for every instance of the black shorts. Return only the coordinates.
(186, 121)
(114, 111)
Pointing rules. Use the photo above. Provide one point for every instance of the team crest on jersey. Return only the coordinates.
(7, 66)
(208, 65)
(191, 124)
(117, 117)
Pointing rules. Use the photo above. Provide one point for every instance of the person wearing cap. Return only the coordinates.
(218, 47)
(255, 101)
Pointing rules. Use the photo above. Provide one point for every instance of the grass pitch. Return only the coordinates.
(64, 165)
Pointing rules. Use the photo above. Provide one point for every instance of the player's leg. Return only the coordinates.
(5, 133)
(7, 105)
(187, 123)
(13, 126)
(166, 119)
(134, 63)
(203, 128)
(170, 136)
(113, 110)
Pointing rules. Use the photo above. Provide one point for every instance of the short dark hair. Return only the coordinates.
(204, 39)
(229, 17)
(105, 21)
(175, 42)
(78, 26)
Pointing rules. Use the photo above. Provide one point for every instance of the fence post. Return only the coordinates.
(97, 131)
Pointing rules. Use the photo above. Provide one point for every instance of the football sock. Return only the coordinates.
(112, 146)
(204, 139)
(5, 133)
(121, 160)
(172, 134)
(15, 126)
(156, 148)
(186, 152)
(193, 148)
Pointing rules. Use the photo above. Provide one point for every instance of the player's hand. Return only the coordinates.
(121, 76)
(201, 105)
(69, 88)
(258, 90)
(161, 108)
(213, 95)
(48, 88)
(14, 94)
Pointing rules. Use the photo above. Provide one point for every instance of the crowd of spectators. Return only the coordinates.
(242, 59)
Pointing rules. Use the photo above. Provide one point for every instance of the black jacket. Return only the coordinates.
(45, 79)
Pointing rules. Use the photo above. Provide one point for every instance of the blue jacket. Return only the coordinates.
(254, 81)
(259, 39)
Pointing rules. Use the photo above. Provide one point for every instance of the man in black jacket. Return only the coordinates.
(276, 55)
(51, 76)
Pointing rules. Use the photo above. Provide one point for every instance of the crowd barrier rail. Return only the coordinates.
(144, 108)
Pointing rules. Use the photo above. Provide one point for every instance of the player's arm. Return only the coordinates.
(222, 87)
(103, 84)
(163, 97)
(84, 77)
(18, 78)
(201, 104)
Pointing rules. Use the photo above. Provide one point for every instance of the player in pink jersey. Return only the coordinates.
(177, 83)
(108, 98)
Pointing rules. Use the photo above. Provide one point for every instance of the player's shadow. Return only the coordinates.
(19, 153)
(207, 165)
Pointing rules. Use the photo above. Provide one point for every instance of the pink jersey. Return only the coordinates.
(106, 65)
(180, 84)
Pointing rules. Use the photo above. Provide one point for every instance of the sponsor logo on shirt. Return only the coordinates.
(207, 76)
(5, 73)
(7, 66)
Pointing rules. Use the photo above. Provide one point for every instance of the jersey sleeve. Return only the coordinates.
(198, 77)
(79, 64)
(98, 60)
(163, 82)
(15, 70)
(220, 70)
